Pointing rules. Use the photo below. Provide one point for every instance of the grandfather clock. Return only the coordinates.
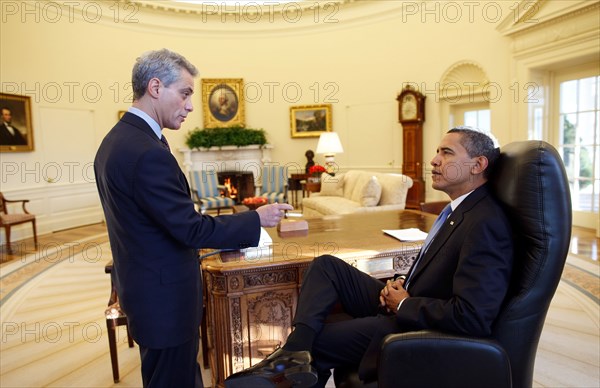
(411, 114)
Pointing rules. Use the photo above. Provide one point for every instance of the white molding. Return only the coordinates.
(241, 21)
(56, 207)
(466, 79)
(539, 14)
(227, 158)
(219, 8)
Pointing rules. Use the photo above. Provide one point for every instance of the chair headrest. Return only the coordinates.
(529, 179)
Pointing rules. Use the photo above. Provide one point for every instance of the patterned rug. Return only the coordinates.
(54, 332)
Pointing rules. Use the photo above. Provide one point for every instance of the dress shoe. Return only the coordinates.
(282, 368)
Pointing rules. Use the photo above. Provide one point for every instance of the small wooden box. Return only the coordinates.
(287, 225)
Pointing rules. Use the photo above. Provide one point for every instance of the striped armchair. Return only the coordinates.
(274, 183)
(206, 191)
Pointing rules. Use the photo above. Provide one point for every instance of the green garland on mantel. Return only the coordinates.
(236, 135)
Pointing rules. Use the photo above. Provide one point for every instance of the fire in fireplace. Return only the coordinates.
(240, 184)
(231, 189)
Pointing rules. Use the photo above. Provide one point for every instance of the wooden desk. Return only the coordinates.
(251, 303)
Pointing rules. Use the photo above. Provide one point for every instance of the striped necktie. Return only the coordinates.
(437, 225)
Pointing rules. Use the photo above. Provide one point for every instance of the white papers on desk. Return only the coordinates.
(411, 234)
(262, 250)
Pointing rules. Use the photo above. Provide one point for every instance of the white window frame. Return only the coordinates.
(586, 219)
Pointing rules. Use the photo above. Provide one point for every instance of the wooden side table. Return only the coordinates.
(311, 187)
(294, 184)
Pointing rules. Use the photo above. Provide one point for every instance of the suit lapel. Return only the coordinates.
(142, 125)
(450, 226)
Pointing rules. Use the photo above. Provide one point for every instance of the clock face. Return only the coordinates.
(409, 107)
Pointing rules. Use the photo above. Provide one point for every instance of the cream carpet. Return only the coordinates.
(53, 327)
(54, 332)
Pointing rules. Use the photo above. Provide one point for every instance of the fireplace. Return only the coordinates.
(237, 163)
(240, 184)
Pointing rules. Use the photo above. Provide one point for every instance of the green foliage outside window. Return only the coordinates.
(585, 161)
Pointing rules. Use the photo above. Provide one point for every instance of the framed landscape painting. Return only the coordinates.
(223, 102)
(16, 130)
(310, 120)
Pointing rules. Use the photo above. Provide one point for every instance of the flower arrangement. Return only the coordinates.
(316, 170)
(315, 173)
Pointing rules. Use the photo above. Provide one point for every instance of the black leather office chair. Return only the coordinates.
(531, 182)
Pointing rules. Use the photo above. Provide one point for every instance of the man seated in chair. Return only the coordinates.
(457, 283)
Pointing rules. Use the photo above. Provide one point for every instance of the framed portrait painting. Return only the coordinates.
(310, 120)
(223, 102)
(16, 130)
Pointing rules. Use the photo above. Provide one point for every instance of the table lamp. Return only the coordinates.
(329, 145)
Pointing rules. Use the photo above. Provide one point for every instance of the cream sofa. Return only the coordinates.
(357, 191)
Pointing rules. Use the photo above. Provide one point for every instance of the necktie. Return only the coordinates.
(163, 140)
(430, 236)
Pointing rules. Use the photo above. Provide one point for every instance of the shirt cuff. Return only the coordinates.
(400, 304)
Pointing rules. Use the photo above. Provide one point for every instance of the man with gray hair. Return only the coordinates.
(154, 230)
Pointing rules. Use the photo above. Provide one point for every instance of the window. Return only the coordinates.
(478, 119)
(477, 115)
(579, 139)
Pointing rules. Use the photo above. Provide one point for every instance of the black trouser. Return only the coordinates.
(175, 367)
(328, 281)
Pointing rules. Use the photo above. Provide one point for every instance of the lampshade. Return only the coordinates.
(329, 143)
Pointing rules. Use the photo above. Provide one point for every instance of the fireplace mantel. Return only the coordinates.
(227, 158)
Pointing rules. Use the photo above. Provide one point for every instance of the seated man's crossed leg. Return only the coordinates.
(328, 281)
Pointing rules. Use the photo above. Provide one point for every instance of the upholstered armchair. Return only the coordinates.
(207, 191)
(530, 181)
(274, 183)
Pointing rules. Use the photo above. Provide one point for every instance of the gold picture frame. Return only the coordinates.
(310, 120)
(16, 129)
(223, 102)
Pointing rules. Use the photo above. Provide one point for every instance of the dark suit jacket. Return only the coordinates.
(6, 138)
(155, 232)
(463, 278)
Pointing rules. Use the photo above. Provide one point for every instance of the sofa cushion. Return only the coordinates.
(371, 192)
(332, 185)
(329, 205)
(394, 188)
(354, 184)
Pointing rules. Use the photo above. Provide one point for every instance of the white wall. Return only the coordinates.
(78, 58)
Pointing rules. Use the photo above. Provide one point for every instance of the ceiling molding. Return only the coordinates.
(172, 18)
(218, 8)
(529, 15)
